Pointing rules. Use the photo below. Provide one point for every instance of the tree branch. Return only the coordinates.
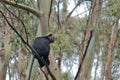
(24, 7)
(44, 74)
(58, 15)
(73, 9)
(84, 55)
(49, 16)
(20, 21)
(37, 55)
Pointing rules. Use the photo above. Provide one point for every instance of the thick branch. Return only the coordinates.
(24, 7)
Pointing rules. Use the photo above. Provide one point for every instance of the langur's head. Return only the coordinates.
(51, 37)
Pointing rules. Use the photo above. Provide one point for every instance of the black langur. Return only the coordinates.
(42, 46)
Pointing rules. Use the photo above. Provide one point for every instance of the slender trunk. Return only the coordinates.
(7, 47)
(110, 53)
(103, 65)
(44, 5)
(96, 68)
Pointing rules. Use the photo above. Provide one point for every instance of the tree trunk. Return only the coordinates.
(91, 25)
(7, 47)
(110, 53)
(44, 5)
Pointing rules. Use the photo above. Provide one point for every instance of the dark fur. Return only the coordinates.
(42, 47)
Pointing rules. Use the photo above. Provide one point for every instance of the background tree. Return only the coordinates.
(74, 56)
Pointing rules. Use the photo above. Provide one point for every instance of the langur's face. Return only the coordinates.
(51, 38)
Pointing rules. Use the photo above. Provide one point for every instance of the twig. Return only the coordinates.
(73, 9)
(19, 20)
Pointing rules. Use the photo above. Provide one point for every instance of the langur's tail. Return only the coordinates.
(31, 65)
